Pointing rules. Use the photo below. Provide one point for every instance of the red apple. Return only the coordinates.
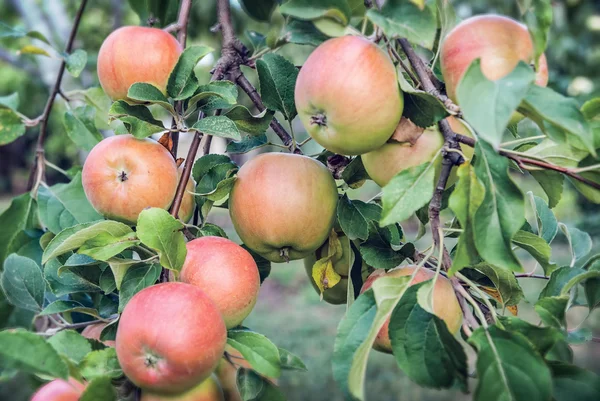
(123, 175)
(208, 390)
(347, 95)
(283, 205)
(136, 54)
(93, 332)
(170, 338)
(60, 390)
(226, 272)
(445, 303)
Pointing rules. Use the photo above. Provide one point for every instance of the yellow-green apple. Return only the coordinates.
(171, 337)
(123, 175)
(226, 272)
(409, 147)
(60, 390)
(445, 303)
(499, 42)
(347, 95)
(208, 390)
(136, 54)
(283, 205)
(93, 332)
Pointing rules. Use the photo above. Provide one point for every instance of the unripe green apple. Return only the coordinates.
(60, 390)
(171, 337)
(499, 42)
(445, 303)
(283, 205)
(208, 390)
(136, 54)
(123, 175)
(347, 95)
(226, 272)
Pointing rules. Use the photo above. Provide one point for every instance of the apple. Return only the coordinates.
(123, 175)
(283, 205)
(226, 272)
(409, 147)
(188, 202)
(445, 303)
(136, 54)
(93, 332)
(347, 95)
(208, 390)
(499, 42)
(171, 337)
(60, 390)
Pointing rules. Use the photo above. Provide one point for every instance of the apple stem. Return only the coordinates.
(285, 253)
(319, 119)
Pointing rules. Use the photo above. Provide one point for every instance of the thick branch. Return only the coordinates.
(37, 169)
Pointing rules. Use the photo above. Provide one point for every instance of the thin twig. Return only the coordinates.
(38, 168)
(526, 275)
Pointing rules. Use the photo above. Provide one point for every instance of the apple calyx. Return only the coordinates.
(319, 119)
(285, 253)
(123, 176)
(151, 360)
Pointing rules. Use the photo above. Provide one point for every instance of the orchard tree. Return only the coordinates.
(115, 286)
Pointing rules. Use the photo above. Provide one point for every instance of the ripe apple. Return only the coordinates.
(93, 332)
(188, 202)
(208, 390)
(408, 148)
(170, 338)
(499, 42)
(347, 95)
(123, 175)
(283, 205)
(445, 303)
(136, 54)
(226, 272)
(60, 390)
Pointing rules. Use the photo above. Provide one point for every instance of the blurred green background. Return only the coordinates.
(288, 311)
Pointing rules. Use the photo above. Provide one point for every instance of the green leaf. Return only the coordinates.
(138, 120)
(502, 357)
(377, 252)
(136, 279)
(215, 177)
(552, 184)
(354, 174)
(101, 363)
(505, 282)
(260, 10)
(539, 20)
(11, 126)
(546, 221)
(315, 9)
(71, 344)
(537, 247)
(6, 31)
(559, 279)
(161, 232)
(100, 389)
(106, 245)
(258, 350)
(502, 212)
(220, 126)
(290, 361)
(30, 353)
(61, 306)
(542, 338)
(147, 93)
(552, 310)
(213, 96)
(571, 382)
(33, 50)
(246, 122)
(74, 237)
(264, 265)
(96, 98)
(64, 205)
(10, 101)
(69, 281)
(249, 384)
(580, 242)
(422, 345)
(556, 153)
(404, 19)
(277, 78)
(182, 81)
(247, 144)
(162, 12)
(22, 283)
(75, 62)
(406, 192)
(303, 33)
(420, 107)
(503, 96)
(464, 202)
(80, 127)
(19, 216)
(563, 121)
(354, 217)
